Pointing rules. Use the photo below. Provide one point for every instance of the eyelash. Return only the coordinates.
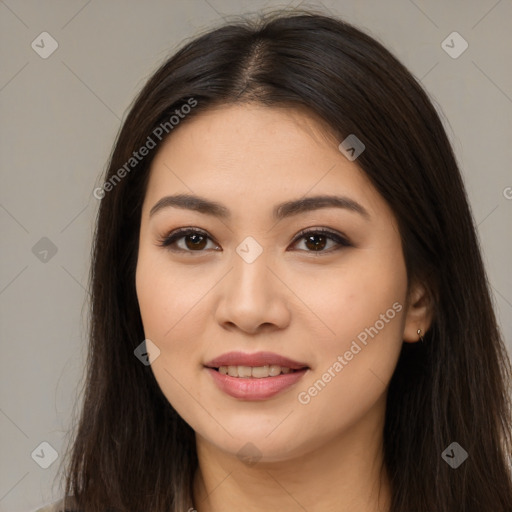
(180, 233)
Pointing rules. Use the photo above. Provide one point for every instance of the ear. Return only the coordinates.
(419, 313)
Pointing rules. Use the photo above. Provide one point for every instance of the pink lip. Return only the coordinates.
(256, 359)
(250, 388)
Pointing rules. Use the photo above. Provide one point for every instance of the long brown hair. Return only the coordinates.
(132, 450)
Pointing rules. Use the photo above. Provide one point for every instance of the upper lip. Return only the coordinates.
(256, 359)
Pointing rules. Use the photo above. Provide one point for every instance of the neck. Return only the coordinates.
(344, 474)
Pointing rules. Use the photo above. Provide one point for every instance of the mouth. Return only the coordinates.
(257, 365)
(256, 372)
(257, 376)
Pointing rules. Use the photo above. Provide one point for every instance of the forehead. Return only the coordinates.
(251, 155)
(230, 134)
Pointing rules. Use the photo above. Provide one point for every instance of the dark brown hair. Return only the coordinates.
(132, 450)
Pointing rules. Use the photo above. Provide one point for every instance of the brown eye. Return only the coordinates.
(317, 240)
(197, 241)
(194, 240)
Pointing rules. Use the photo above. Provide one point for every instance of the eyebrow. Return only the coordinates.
(280, 211)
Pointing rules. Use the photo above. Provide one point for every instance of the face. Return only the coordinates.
(324, 286)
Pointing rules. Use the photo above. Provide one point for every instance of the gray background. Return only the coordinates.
(59, 119)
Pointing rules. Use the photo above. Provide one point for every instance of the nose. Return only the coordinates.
(253, 298)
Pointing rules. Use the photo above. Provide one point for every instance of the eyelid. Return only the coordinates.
(340, 239)
(167, 240)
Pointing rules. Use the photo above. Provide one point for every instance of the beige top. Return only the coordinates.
(56, 506)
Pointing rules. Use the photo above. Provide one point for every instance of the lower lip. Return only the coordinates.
(250, 388)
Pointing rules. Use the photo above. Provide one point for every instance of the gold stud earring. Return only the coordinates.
(420, 336)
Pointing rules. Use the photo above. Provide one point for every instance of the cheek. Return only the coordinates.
(169, 312)
(168, 317)
(173, 311)
(360, 293)
(362, 309)
(165, 296)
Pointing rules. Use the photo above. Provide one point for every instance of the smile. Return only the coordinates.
(258, 372)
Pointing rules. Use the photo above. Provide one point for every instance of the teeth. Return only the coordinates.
(257, 372)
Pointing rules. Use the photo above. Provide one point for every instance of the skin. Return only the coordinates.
(310, 306)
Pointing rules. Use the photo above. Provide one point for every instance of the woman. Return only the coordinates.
(289, 306)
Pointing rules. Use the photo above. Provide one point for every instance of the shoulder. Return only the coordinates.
(52, 507)
(56, 506)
